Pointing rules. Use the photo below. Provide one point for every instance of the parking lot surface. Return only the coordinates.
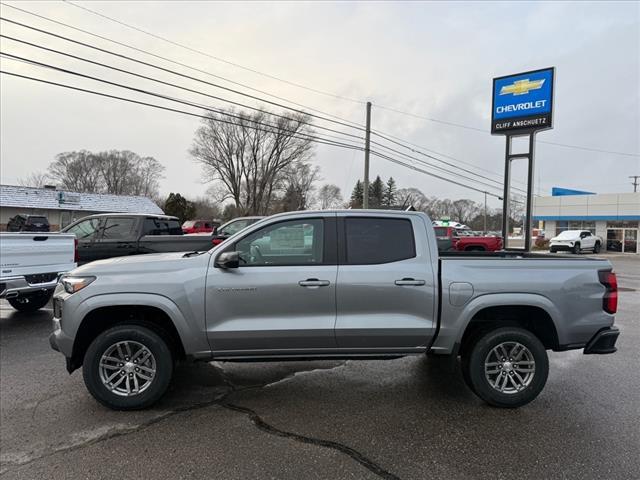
(409, 418)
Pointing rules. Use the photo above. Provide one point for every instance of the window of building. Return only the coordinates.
(563, 225)
(378, 240)
(623, 224)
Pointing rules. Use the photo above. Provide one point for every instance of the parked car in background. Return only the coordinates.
(30, 264)
(350, 284)
(575, 241)
(28, 223)
(447, 238)
(232, 227)
(198, 226)
(122, 234)
(479, 244)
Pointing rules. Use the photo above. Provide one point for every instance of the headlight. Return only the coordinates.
(75, 284)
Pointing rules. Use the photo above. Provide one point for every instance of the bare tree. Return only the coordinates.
(251, 156)
(298, 186)
(35, 179)
(116, 172)
(464, 211)
(329, 196)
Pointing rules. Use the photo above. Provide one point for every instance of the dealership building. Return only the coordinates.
(63, 207)
(615, 217)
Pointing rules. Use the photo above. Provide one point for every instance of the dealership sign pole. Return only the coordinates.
(522, 106)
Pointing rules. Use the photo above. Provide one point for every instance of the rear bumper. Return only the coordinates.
(603, 342)
(14, 286)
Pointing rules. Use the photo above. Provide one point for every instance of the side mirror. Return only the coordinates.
(228, 260)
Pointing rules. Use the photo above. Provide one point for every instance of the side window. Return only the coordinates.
(118, 229)
(378, 240)
(234, 227)
(295, 242)
(86, 229)
(155, 226)
(207, 225)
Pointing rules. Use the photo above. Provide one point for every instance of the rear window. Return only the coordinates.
(187, 224)
(378, 240)
(157, 226)
(33, 220)
(441, 232)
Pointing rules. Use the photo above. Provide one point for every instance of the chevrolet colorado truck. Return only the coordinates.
(350, 284)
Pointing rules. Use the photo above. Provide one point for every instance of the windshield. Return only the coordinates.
(234, 226)
(567, 234)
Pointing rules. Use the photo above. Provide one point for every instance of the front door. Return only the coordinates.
(281, 299)
(386, 294)
(118, 238)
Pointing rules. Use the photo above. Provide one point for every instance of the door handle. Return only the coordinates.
(313, 282)
(410, 281)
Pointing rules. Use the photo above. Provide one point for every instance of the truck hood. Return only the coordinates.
(153, 262)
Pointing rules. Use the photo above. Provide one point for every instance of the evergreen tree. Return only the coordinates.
(180, 207)
(389, 197)
(376, 193)
(356, 195)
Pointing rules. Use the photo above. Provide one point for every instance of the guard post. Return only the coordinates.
(522, 105)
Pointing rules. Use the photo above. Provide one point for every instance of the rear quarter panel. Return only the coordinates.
(568, 290)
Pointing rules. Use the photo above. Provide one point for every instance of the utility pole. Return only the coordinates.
(365, 193)
(635, 182)
(485, 213)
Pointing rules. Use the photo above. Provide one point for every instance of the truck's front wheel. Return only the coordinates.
(508, 367)
(127, 367)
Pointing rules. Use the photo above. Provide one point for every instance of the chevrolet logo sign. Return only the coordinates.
(522, 87)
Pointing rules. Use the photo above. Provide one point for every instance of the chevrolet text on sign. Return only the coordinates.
(523, 102)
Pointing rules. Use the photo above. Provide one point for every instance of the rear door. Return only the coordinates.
(281, 299)
(118, 238)
(386, 292)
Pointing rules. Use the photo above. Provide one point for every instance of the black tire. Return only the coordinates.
(576, 248)
(596, 248)
(151, 341)
(483, 348)
(30, 302)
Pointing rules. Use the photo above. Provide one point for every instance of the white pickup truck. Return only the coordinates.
(30, 264)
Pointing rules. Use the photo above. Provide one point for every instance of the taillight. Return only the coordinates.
(76, 257)
(610, 299)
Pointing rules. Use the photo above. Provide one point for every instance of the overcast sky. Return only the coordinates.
(434, 60)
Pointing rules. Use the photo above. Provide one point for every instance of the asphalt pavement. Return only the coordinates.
(409, 418)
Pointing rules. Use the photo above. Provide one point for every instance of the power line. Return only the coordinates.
(361, 102)
(200, 52)
(175, 110)
(164, 97)
(237, 92)
(145, 77)
(499, 184)
(175, 62)
(482, 130)
(196, 115)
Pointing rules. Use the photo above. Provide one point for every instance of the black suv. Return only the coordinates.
(28, 223)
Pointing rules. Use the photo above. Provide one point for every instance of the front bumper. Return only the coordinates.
(561, 247)
(603, 342)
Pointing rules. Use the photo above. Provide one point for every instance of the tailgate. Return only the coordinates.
(30, 253)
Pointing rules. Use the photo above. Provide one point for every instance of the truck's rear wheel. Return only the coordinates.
(30, 302)
(127, 367)
(508, 367)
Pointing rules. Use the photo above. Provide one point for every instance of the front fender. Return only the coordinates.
(454, 319)
(194, 343)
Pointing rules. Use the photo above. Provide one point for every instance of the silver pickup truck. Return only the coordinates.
(331, 284)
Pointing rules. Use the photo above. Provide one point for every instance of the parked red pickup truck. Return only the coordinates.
(478, 244)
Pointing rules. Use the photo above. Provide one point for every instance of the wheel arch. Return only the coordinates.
(153, 311)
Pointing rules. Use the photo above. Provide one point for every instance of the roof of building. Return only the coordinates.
(49, 199)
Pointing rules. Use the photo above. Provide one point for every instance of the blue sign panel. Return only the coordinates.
(523, 102)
